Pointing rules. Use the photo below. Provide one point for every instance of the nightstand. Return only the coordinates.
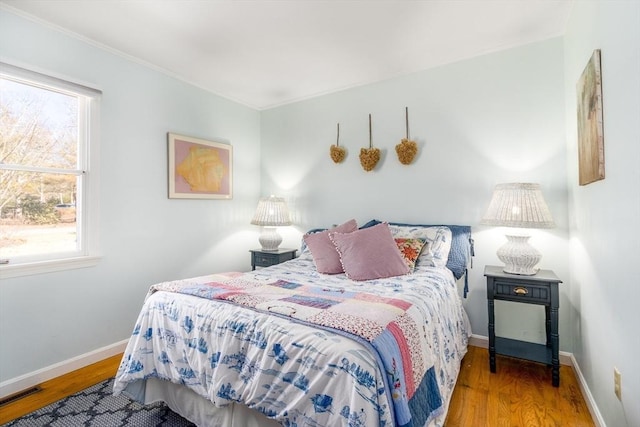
(260, 258)
(540, 289)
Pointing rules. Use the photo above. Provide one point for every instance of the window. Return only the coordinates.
(48, 173)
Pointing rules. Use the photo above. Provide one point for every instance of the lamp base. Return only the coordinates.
(519, 256)
(270, 239)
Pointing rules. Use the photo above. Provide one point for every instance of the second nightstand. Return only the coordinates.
(541, 289)
(260, 258)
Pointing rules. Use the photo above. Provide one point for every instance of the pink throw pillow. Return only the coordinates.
(370, 253)
(324, 252)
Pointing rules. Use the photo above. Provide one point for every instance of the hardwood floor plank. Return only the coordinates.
(519, 394)
(498, 410)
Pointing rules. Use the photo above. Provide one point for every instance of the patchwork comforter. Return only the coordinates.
(305, 348)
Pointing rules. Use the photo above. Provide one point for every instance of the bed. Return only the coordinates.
(294, 345)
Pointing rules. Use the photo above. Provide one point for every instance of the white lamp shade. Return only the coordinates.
(271, 212)
(518, 205)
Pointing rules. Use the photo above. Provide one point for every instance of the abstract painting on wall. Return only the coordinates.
(590, 129)
(199, 169)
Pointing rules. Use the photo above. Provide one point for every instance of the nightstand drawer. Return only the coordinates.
(521, 292)
(265, 260)
(260, 258)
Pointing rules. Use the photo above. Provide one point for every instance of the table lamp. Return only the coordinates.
(271, 212)
(518, 205)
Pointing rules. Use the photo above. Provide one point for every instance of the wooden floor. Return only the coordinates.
(61, 387)
(519, 394)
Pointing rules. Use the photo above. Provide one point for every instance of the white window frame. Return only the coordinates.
(89, 149)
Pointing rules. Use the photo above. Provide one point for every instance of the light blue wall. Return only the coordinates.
(145, 237)
(605, 248)
(492, 119)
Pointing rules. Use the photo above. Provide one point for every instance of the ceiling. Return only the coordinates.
(267, 53)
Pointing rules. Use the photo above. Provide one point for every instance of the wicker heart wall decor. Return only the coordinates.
(407, 149)
(369, 157)
(336, 152)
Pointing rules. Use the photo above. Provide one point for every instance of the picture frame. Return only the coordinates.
(590, 122)
(199, 169)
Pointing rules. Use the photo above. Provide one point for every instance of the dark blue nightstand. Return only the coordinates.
(541, 289)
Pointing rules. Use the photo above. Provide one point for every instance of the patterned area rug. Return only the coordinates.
(97, 407)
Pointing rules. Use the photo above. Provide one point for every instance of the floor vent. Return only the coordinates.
(19, 395)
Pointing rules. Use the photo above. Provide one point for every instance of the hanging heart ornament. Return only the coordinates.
(336, 152)
(369, 157)
(407, 149)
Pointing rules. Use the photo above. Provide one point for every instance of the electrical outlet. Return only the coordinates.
(617, 388)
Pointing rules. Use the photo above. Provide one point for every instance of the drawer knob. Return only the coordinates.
(520, 290)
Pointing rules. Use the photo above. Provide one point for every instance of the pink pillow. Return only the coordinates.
(324, 251)
(370, 253)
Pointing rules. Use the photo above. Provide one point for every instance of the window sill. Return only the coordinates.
(42, 267)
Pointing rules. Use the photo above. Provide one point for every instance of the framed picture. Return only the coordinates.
(590, 130)
(199, 169)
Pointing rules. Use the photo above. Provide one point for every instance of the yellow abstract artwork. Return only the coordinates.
(202, 169)
(199, 169)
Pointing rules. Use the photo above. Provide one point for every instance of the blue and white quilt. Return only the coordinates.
(267, 353)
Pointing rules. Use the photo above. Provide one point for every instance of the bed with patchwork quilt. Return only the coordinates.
(292, 345)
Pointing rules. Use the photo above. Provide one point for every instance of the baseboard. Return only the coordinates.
(567, 359)
(32, 379)
(588, 397)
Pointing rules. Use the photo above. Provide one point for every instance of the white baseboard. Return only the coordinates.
(567, 359)
(32, 379)
(588, 397)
